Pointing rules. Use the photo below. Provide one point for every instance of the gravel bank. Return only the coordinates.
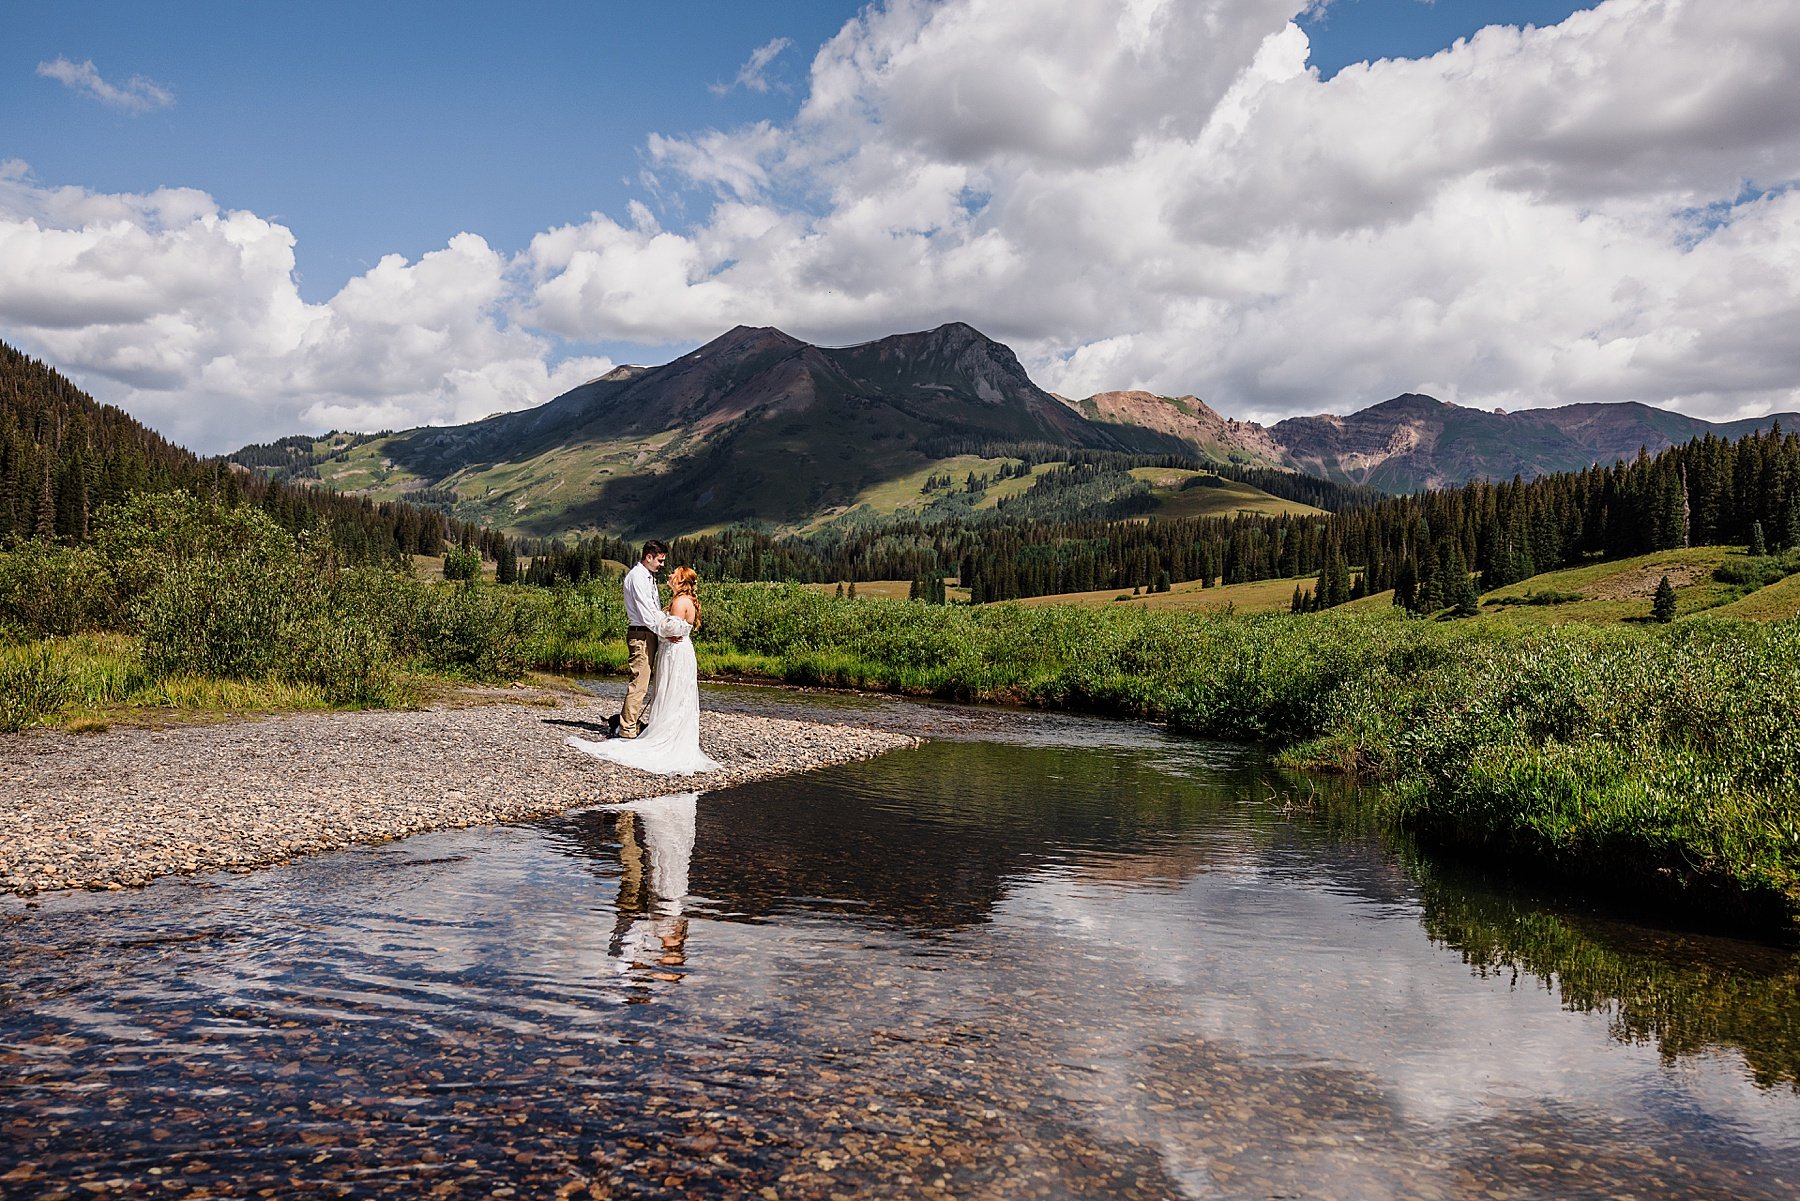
(120, 808)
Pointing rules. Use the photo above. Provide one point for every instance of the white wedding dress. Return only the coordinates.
(670, 744)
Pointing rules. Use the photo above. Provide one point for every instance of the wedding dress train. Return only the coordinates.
(670, 743)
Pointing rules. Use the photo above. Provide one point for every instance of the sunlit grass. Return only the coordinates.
(1258, 596)
(1225, 498)
(89, 680)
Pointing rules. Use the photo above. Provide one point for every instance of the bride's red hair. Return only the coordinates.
(685, 581)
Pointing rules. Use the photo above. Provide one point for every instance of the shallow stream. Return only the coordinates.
(1038, 957)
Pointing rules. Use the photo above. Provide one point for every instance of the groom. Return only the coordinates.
(643, 615)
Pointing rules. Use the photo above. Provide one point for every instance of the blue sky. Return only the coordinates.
(707, 163)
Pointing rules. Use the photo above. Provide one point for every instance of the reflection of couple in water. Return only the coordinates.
(656, 843)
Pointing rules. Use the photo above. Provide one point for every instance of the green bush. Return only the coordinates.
(1548, 596)
(222, 617)
(484, 632)
(462, 563)
(1751, 572)
(54, 591)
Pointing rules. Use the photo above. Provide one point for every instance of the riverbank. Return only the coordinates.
(124, 807)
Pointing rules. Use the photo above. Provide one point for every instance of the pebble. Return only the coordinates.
(121, 808)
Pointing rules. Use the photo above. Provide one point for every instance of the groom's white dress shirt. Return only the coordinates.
(642, 606)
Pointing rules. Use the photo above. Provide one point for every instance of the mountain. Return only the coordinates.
(758, 427)
(1413, 441)
(1188, 418)
(754, 426)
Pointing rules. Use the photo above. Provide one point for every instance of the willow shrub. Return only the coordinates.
(218, 593)
(48, 590)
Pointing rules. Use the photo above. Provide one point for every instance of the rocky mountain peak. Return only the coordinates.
(1406, 404)
(745, 340)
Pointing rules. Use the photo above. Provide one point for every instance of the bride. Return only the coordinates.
(670, 743)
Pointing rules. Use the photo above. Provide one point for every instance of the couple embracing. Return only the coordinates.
(658, 730)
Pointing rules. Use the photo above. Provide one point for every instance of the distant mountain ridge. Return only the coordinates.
(1413, 441)
(760, 427)
(1188, 418)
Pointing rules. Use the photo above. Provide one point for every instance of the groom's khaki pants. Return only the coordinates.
(640, 645)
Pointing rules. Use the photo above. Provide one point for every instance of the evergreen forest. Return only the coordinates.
(63, 457)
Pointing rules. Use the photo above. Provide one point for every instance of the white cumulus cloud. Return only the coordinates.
(1161, 194)
(190, 318)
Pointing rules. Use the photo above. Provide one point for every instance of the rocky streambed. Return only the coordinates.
(120, 808)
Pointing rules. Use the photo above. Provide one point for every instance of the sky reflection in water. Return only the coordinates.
(1039, 956)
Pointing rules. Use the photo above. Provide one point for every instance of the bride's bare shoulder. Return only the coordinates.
(683, 607)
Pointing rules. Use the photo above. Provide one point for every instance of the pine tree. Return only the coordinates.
(1671, 522)
(1466, 600)
(1759, 545)
(1662, 609)
(46, 509)
(1340, 579)
(852, 589)
(840, 591)
(1406, 584)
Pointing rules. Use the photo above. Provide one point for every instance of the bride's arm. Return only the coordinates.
(673, 629)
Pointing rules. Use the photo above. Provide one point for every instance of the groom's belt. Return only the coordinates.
(643, 629)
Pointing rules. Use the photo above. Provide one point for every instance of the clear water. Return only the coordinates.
(1038, 957)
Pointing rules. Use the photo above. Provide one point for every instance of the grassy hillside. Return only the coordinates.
(1596, 593)
(1618, 591)
(1779, 601)
(554, 492)
(1218, 498)
(1260, 596)
(889, 590)
(528, 497)
(905, 493)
